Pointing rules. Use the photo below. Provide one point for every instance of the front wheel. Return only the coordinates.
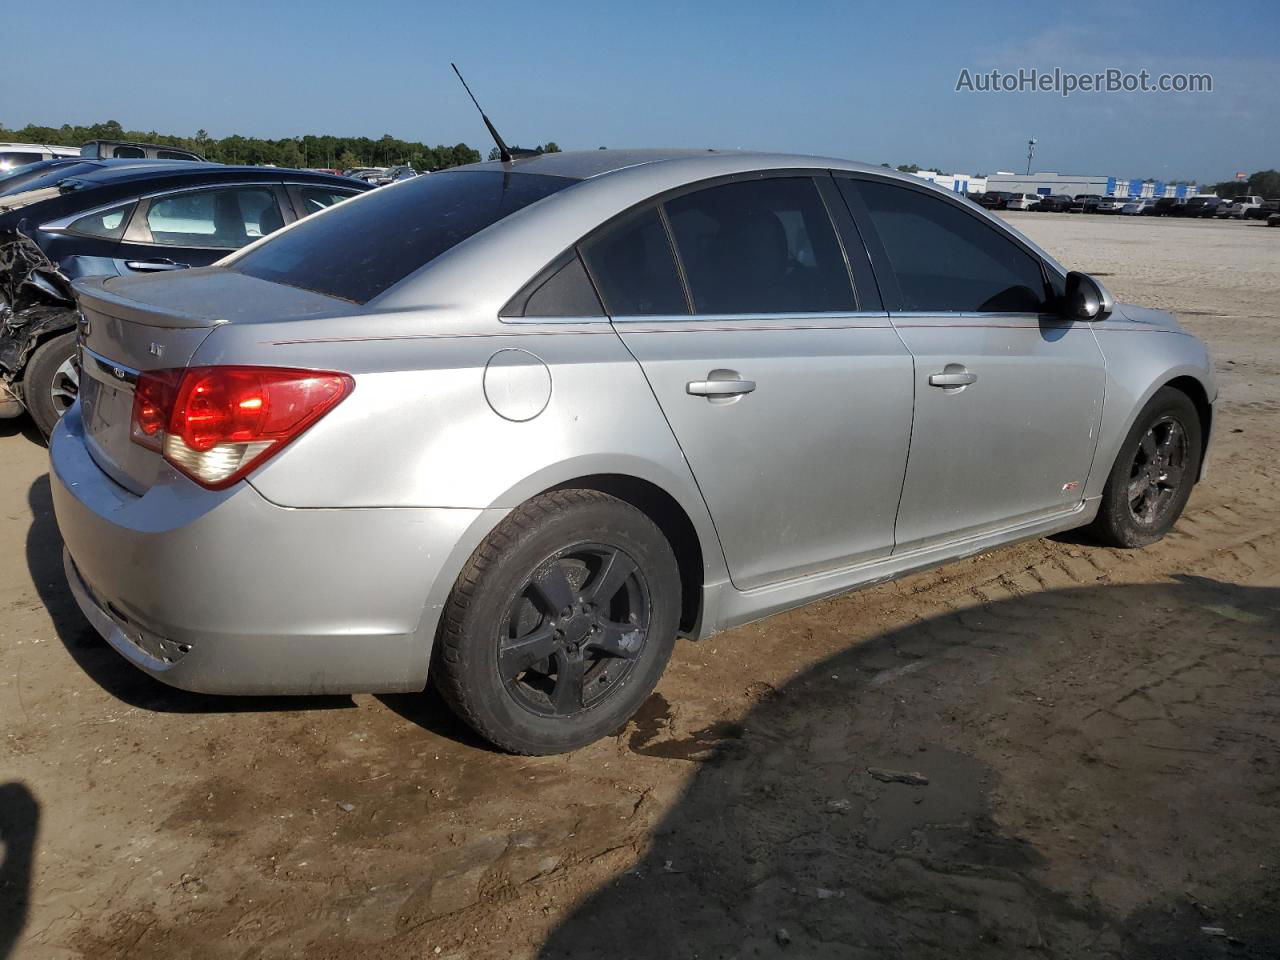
(561, 623)
(1153, 475)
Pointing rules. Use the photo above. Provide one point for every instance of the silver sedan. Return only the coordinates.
(513, 428)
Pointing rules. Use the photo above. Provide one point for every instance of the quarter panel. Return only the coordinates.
(418, 429)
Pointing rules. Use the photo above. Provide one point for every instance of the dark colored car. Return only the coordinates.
(1199, 207)
(1269, 206)
(1273, 220)
(1085, 203)
(1057, 203)
(1167, 206)
(82, 218)
(995, 199)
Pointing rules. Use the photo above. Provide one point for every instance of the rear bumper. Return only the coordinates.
(228, 593)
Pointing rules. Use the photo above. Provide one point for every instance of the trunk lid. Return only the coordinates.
(131, 325)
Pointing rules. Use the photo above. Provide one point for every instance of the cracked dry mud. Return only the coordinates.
(1100, 730)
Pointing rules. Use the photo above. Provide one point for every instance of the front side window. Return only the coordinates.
(947, 260)
(362, 249)
(760, 246)
(226, 219)
(631, 263)
(106, 224)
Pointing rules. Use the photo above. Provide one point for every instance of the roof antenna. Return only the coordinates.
(503, 152)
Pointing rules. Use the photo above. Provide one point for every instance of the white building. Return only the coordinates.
(1074, 185)
(956, 182)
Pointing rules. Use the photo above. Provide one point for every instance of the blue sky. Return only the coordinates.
(873, 82)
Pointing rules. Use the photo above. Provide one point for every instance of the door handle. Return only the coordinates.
(952, 379)
(719, 388)
(160, 263)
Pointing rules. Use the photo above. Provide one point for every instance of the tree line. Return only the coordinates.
(340, 153)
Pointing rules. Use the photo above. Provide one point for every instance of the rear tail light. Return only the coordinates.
(216, 424)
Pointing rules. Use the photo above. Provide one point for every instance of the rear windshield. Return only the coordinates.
(46, 173)
(361, 248)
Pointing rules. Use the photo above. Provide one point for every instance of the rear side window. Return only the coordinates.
(131, 153)
(634, 270)
(362, 249)
(106, 224)
(225, 219)
(760, 246)
(315, 199)
(562, 290)
(947, 260)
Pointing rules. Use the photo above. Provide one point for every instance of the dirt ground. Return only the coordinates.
(1100, 733)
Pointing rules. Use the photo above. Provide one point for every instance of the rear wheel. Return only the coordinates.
(1153, 474)
(51, 382)
(561, 623)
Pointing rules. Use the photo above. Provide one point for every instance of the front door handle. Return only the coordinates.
(159, 263)
(719, 388)
(952, 379)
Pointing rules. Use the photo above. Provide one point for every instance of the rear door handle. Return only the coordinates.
(719, 388)
(160, 263)
(952, 379)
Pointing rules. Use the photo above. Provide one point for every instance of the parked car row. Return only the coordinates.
(73, 217)
(381, 176)
(1247, 207)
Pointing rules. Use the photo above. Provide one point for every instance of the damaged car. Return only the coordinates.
(65, 220)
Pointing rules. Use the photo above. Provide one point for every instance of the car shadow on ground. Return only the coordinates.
(95, 657)
(1087, 772)
(22, 425)
(19, 825)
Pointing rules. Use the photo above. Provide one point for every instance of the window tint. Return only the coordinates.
(948, 260)
(564, 292)
(173, 155)
(361, 249)
(760, 246)
(315, 199)
(107, 224)
(633, 268)
(227, 218)
(131, 153)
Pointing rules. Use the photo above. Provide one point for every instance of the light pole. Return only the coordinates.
(1031, 152)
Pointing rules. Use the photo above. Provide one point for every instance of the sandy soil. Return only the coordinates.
(1100, 733)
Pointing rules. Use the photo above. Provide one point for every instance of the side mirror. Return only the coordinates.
(1086, 299)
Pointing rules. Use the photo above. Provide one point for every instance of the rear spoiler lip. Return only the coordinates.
(92, 292)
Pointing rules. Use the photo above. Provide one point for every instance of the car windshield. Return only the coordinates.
(359, 249)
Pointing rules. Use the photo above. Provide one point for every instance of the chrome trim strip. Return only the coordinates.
(748, 318)
(107, 371)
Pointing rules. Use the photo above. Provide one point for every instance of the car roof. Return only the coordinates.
(589, 164)
(112, 172)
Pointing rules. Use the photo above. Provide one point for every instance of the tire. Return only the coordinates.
(1154, 472)
(51, 381)
(502, 614)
